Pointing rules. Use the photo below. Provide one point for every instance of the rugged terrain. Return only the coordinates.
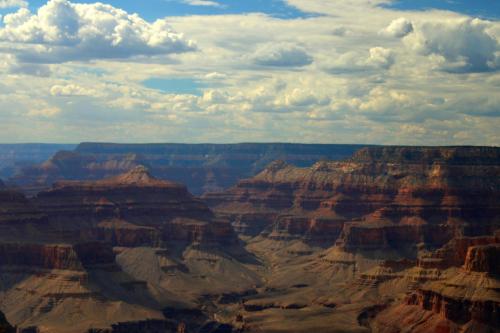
(201, 167)
(393, 239)
(14, 157)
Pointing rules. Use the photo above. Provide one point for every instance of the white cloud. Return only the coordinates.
(205, 3)
(62, 31)
(464, 45)
(361, 63)
(281, 55)
(71, 90)
(399, 28)
(13, 3)
(44, 112)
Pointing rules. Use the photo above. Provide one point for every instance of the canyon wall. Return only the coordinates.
(381, 197)
(201, 167)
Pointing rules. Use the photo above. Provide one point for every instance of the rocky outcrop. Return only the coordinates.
(485, 258)
(146, 326)
(14, 157)
(135, 196)
(5, 327)
(48, 256)
(467, 301)
(132, 209)
(202, 167)
(453, 254)
(379, 237)
(16, 209)
(396, 195)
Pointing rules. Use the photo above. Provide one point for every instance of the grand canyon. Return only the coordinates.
(305, 238)
(249, 166)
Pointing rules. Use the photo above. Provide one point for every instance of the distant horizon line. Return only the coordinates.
(239, 143)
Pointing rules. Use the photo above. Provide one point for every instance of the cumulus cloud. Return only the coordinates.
(281, 55)
(461, 46)
(70, 90)
(62, 31)
(13, 3)
(399, 28)
(377, 58)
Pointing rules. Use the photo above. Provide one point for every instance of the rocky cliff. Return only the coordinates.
(202, 167)
(133, 208)
(468, 300)
(381, 197)
(55, 256)
(484, 258)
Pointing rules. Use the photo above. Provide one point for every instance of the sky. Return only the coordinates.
(423, 72)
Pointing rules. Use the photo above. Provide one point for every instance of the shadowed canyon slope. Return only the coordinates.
(201, 167)
(392, 239)
(14, 157)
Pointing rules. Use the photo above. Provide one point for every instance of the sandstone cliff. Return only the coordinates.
(467, 301)
(131, 209)
(381, 197)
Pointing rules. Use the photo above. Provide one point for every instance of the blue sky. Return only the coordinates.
(345, 71)
(154, 9)
(482, 8)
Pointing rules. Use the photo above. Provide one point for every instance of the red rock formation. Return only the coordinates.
(132, 209)
(16, 209)
(484, 258)
(467, 301)
(398, 195)
(49, 256)
(206, 167)
(453, 254)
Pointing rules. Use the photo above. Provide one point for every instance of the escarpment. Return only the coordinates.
(394, 239)
(201, 167)
(381, 197)
(483, 258)
(131, 209)
(466, 300)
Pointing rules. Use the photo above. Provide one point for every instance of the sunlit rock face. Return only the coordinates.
(384, 197)
(468, 300)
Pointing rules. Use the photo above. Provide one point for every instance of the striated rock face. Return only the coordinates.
(467, 301)
(132, 209)
(396, 195)
(62, 257)
(15, 209)
(202, 167)
(453, 254)
(485, 258)
(14, 157)
(134, 196)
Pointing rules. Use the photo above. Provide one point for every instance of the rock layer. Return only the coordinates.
(395, 195)
(202, 167)
(131, 209)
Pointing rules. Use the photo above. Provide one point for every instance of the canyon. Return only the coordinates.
(381, 239)
(201, 167)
